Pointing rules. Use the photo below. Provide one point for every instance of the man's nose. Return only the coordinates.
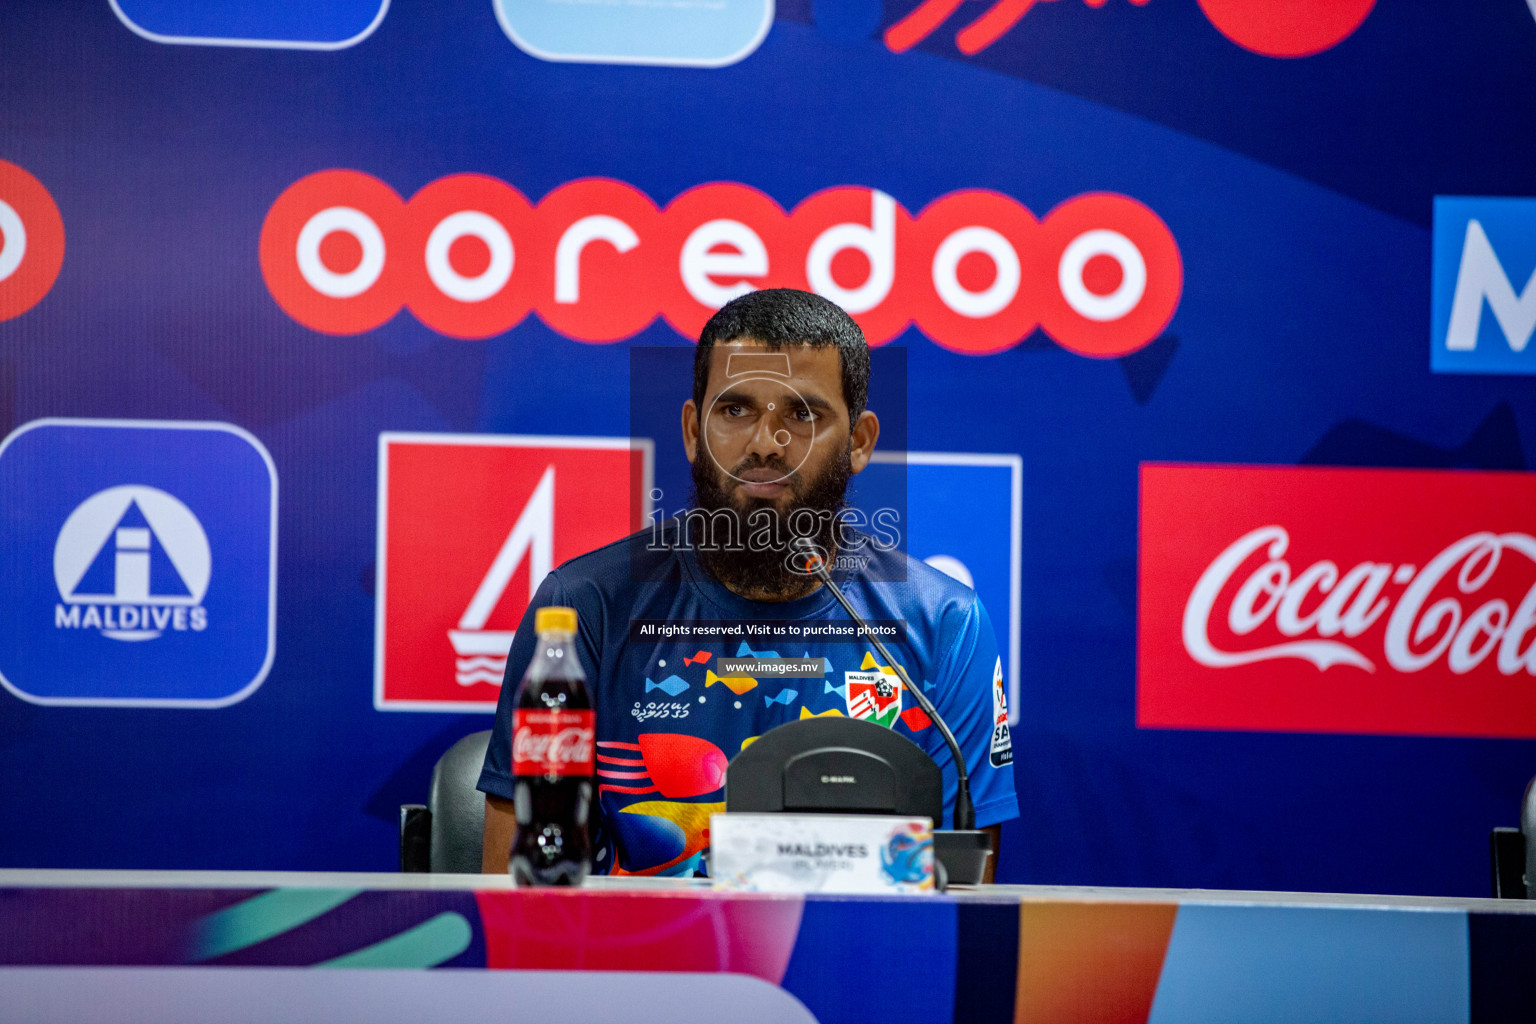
(769, 438)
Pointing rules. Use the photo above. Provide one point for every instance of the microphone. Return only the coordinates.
(965, 812)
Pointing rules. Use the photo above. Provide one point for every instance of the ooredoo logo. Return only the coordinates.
(597, 260)
(1338, 600)
(1274, 28)
(31, 241)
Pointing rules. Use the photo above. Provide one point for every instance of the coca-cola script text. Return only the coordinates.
(1338, 600)
(552, 742)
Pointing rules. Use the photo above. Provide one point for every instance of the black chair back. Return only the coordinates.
(458, 808)
(1528, 829)
(445, 834)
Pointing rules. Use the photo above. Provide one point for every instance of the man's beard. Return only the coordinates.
(760, 563)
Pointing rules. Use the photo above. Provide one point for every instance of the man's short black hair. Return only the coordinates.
(786, 316)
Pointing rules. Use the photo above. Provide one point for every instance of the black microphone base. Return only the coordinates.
(962, 855)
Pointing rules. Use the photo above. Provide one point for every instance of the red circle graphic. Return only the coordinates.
(32, 256)
(1287, 28)
(366, 201)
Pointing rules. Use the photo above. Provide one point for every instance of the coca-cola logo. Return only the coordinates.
(552, 742)
(1344, 600)
(568, 746)
(1321, 602)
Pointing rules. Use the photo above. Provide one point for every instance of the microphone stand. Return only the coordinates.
(965, 811)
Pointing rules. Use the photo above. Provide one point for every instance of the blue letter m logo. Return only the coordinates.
(1481, 248)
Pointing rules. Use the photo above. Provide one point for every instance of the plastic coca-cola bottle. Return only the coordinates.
(552, 758)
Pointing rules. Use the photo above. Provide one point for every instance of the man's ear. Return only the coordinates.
(690, 430)
(865, 433)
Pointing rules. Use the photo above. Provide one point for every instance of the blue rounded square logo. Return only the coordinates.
(291, 24)
(687, 33)
(1483, 285)
(138, 563)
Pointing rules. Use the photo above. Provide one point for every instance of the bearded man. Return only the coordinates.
(776, 427)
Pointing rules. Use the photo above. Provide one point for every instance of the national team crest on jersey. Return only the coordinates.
(1002, 742)
(874, 695)
(137, 562)
(469, 526)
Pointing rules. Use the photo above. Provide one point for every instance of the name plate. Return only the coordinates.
(832, 853)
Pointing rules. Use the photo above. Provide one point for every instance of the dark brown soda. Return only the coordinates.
(552, 846)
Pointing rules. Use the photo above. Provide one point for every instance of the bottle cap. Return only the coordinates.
(555, 617)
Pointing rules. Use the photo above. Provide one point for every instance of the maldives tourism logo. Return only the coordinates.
(132, 562)
(137, 563)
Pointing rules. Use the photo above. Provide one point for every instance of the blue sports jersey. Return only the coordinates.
(667, 722)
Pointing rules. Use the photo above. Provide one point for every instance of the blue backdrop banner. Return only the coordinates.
(241, 243)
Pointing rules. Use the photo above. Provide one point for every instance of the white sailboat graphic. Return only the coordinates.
(482, 653)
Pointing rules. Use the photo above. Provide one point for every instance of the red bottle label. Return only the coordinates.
(552, 742)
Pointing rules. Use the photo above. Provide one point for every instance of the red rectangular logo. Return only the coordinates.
(1337, 600)
(469, 526)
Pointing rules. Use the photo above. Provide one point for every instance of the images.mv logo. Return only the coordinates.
(137, 563)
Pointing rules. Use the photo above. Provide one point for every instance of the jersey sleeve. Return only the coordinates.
(496, 775)
(973, 699)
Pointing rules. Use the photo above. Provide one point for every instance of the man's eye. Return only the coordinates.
(735, 409)
(804, 414)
